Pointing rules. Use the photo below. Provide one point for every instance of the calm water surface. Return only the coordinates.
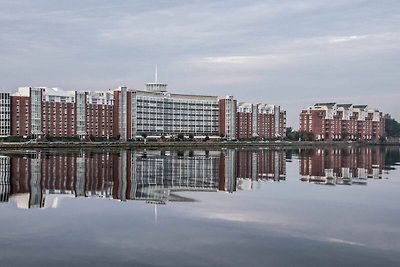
(318, 207)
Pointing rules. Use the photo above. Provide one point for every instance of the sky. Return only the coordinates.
(285, 52)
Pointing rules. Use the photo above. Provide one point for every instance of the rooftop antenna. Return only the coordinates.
(156, 75)
(155, 86)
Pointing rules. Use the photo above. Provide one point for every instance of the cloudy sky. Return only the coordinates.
(292, 53)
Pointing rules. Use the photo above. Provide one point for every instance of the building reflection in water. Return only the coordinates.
(342, 166)
(259, 165)
(5, 186)
(152, 176)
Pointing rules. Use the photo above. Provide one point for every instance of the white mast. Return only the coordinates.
(156, 86)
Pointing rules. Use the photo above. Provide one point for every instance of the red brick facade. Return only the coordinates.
(260, 121)
(342, 122)
(99, 120)
(58, 119)
(222, 122)
(243, 125)
(59, 115)
(20, 115)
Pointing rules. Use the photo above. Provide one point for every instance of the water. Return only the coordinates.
(327, 207)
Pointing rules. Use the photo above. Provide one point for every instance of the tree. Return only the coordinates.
(191, 136)
(162, 137)
(392, 127)
(306, 136)
(180, 136)
(292, 134)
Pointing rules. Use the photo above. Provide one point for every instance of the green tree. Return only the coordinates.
(292, 134)
(306, 136)
(180, 136)
(392, 127)
(162, 137)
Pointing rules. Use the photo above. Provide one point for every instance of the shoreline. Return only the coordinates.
(189, 144)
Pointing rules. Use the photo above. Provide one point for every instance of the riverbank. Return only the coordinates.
(185, 144)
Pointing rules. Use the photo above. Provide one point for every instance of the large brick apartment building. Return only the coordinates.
(127, 114)
(42, 111)
(341, 122)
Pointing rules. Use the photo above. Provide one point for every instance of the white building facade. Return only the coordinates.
(5, 116)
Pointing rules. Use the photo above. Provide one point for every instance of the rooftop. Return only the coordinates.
(180, 96)
(360, 106)
(325, 104)
(344, 105)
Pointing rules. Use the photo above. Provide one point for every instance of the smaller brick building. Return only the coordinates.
(342, 122)
(260, 121)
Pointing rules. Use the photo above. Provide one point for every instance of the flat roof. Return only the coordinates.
(181, 96)
(325, 104)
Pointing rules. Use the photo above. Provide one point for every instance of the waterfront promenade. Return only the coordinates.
(186, 144)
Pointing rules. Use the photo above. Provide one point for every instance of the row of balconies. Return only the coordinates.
(198, 114)
(178, 130)
(176, 101)
(140, 123)
(177, 112)
(177, 109)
